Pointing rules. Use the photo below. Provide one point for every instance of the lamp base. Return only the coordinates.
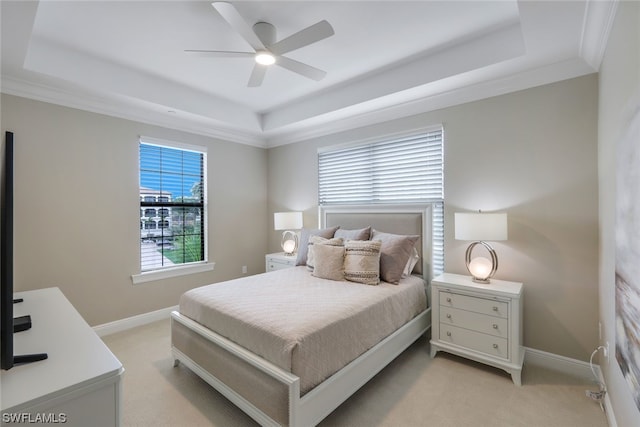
(289, 242)
(481, 269)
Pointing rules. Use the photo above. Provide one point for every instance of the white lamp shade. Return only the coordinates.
(481, 226)
(287, 220)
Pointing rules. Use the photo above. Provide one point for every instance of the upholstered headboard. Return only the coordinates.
(414, 219)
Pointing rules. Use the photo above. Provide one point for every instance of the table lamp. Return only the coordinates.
(288, 221)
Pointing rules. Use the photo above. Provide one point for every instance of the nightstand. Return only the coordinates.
(279, 261)
(482, 322)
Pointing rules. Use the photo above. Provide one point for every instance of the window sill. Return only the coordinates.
(150, 276)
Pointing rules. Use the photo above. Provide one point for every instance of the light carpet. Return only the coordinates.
(414, 390)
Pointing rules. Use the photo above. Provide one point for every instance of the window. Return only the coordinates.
(402, 169)
(173, 205)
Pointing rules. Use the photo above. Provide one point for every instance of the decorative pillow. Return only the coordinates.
(361, 234)
(317, 240)
(362, 261)
(329, 262)
(413, 260)
(303, 247)
(394, 254)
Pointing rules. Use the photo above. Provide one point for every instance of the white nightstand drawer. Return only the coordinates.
(479, 305)
(491, 325)
(272, 265)
(278, 261)
(484, 343)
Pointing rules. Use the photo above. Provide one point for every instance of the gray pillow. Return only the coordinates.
(362, 261)
(303, 247)
(329, 262)
(361, 234)
(394, 254)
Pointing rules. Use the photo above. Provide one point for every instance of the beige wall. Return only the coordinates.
(77, 211)
(619, 91)
(532, 154)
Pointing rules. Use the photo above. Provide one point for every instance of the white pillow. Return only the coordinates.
(411, 263)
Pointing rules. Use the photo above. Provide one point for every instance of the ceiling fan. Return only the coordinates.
(268, 51)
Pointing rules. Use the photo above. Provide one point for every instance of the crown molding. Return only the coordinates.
(439, 97)
(596, 27)
(123, 108)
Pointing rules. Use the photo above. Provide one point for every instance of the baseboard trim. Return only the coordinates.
(131, 322)
(556, 362)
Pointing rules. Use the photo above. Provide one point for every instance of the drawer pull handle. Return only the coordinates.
(448, 316)
(495, 346)
(448, 299)
(495, 326)
(448, 334)
(495, 308)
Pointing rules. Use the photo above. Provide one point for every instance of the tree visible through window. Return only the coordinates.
(172, 205)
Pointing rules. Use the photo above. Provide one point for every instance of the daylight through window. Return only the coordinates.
(172, 205)
(405, 169)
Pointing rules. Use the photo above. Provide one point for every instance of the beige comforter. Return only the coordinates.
(308, 326)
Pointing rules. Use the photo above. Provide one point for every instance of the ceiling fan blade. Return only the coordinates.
(219, 53)
(301, 68)
(237, 22)
(257, 75)
(309, 35)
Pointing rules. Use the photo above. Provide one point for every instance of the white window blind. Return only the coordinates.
(399, 170)
(172, 205)
(402, 170)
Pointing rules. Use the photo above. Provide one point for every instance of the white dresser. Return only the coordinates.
(279, 261)
(79, 384)
(482, 322)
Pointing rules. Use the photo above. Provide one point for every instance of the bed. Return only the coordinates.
(291, 358)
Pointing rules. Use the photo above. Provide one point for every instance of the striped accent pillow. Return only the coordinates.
(362, 261)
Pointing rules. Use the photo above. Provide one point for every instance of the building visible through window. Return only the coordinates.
(172, 205)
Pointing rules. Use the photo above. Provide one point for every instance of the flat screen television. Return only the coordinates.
(8, 359)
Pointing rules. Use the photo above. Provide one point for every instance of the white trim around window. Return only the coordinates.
(167, 273)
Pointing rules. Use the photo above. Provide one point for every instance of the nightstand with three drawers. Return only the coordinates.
(482, 322)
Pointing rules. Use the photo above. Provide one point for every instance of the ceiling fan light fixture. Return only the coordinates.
(265, 58)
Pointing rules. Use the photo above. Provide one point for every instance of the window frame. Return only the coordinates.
(185, 268)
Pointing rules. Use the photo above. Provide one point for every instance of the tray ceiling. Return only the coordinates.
(387, 59)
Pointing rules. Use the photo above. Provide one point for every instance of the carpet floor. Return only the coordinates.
(414, 390)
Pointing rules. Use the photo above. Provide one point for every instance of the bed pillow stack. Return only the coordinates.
(363, 256)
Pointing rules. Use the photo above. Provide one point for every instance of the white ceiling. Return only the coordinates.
(387, 59)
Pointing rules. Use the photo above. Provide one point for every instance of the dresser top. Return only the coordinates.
(496, 287)
(77, 356)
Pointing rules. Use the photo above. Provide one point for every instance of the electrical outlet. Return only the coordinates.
(244, 269)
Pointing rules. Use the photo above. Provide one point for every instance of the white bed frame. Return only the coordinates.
(314, 406)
